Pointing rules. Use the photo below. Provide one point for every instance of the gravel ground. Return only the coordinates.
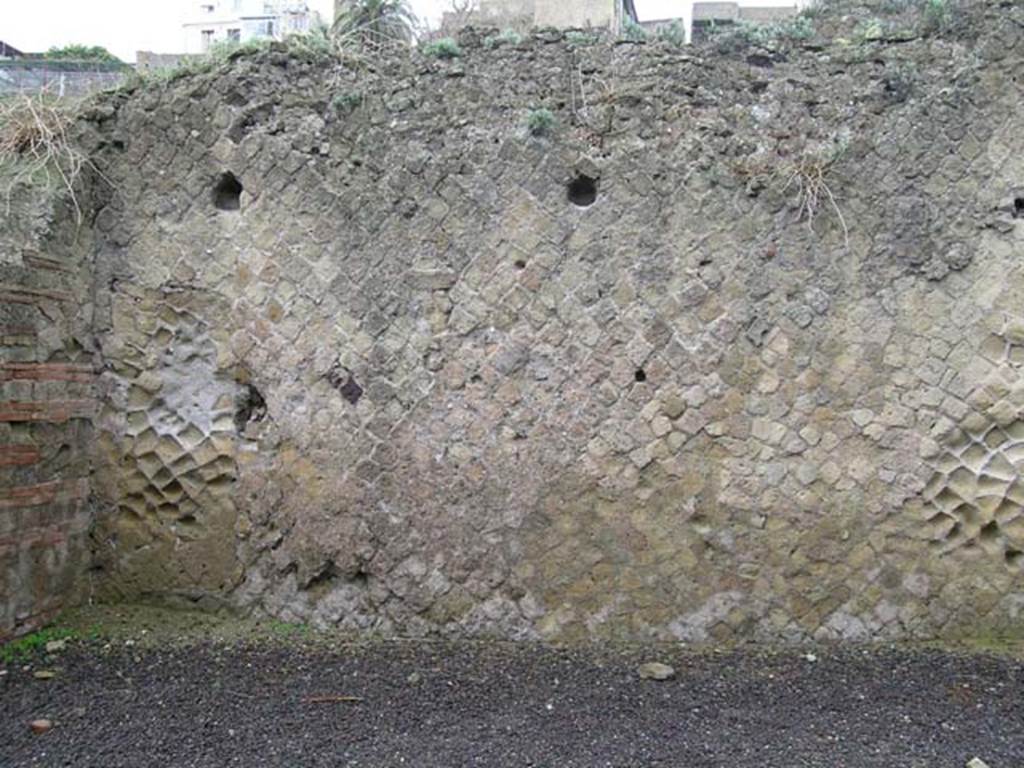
(497, 705)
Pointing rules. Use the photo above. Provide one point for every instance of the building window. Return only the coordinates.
(207, 8)
(268, 28)
(206, 37)
(234, 35)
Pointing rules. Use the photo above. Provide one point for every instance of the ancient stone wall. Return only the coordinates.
(47, 400)
(732, 350)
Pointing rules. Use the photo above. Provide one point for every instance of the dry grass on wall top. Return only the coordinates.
(36, 145)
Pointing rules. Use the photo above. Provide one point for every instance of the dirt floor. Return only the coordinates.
(153, 689)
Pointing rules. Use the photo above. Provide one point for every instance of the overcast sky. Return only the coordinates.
(125, 26)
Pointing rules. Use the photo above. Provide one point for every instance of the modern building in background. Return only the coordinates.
(712, 15)
(220, 21)
(695, 18)
(524, 15)
(582, 14)
(9, 52)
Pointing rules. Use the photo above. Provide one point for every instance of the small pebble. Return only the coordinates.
(56, 646)
(44, 674)
(976, 762)
(41, 726)
(655, 670)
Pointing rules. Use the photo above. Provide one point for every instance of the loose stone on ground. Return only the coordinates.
(656, 671)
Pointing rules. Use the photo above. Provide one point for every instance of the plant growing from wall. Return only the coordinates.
(540, 122)
(814, 9)
(445, 48)
(673, 33)
(226, 50)
(803, 176)
(315, 45)
(633, 32)
(869, 31)
(772, 35)
(936, 16)
(347, 102)
(375, 23)
(36, 145)
(579, 39)
(219, 53)
(507, 37)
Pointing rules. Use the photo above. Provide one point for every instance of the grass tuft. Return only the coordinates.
(633, 32)
(540, 121)
(508, 37)
(580, 39)
(445, 48)
(35, 143)
(803, 175)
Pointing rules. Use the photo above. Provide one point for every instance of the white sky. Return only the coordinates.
(125, 26)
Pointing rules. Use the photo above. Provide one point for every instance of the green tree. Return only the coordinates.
(76, 52)
(375, 21)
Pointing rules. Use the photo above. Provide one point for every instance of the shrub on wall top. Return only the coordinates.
(508, 37)
(445, 48)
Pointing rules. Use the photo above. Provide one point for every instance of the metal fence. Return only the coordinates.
(59, 78)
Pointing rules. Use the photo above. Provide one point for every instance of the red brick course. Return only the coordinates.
(55, 411)
(41, 262)
(43, 493)
(19, 295)
(18, 455)
(78, 372)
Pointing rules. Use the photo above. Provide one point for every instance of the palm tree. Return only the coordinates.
(374, 21)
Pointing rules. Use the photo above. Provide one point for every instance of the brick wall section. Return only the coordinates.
(81, 372)
(52, 411)
(18, 455)
(47, 401)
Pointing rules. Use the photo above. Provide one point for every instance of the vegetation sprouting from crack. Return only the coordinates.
(540, 121)
(804, 176)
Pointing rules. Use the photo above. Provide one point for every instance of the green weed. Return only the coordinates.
(347, 102)
(508, 37)
(445, 48)
(633, 32)
(580, 39)
(540, 121)
(287, 629)
(29, 645)
(673, 33)
(765, 35)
